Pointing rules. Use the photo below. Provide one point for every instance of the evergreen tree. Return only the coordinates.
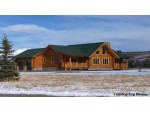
(7, 64)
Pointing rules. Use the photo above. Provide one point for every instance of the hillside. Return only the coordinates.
(139, 58)
(138, 55)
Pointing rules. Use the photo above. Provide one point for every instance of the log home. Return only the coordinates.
(91, 56)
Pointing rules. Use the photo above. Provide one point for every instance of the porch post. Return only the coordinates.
(70, 63)
(65, 65)
(80, 68)
(25, 67)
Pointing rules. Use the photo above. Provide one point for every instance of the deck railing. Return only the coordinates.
(79, 65)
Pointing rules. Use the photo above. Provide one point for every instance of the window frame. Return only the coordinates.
(105, 61)
(96, 61)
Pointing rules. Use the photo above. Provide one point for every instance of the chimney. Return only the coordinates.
(108, 43)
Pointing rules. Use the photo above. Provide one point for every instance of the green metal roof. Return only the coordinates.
(83, 50)
(29, 53)
(122, 55)
(78, 50)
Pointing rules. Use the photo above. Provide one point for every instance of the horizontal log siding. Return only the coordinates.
(37, 61)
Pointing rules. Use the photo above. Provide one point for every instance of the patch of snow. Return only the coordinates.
(75, 89)
(114, 72)
(142, 56)
(55, 92)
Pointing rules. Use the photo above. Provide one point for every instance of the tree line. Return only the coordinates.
(133, 63)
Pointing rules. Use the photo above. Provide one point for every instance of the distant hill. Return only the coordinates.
(139, 58)
(138, 55)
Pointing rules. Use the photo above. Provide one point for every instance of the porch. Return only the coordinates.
(76, 64)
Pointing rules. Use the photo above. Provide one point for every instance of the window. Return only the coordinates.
(103, 51)
(51, 60)
(97, 52)
(96, 61)
(73, 60)
(105, 61)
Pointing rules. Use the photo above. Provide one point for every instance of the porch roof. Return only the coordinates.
(122, 55)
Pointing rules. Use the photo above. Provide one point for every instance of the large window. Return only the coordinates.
(105, 61)
(103, 51)
(52, 60)
(96, 61)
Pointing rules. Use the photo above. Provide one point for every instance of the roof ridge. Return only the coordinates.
(36, 48)
(75, 44)
(86, 43)
(58, 45)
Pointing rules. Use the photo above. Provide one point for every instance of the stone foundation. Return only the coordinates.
(37, 69)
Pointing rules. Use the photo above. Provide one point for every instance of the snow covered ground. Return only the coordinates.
(114, 72)
(81, 83)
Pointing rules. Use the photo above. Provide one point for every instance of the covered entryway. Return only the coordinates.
(24, 65)
(20, 65)
(28, 65)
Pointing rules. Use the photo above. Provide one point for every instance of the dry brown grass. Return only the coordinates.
(121, 83)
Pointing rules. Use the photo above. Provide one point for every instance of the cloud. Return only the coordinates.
(122, 35)
(27, 28)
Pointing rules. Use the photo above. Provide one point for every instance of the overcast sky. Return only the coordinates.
(126, 33)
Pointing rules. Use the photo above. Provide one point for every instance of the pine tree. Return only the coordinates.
(7, 64)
